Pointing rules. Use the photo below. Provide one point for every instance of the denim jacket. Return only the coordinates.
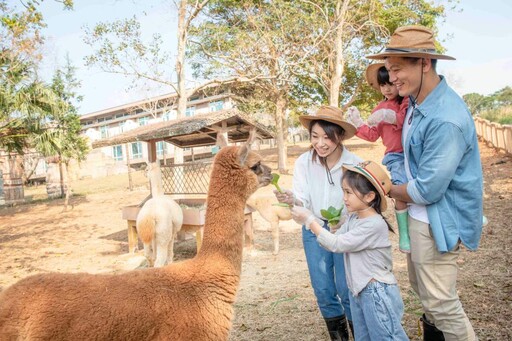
(444, 161)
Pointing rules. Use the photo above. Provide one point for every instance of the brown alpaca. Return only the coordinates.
(183, 301)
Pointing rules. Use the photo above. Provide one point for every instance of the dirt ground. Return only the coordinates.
(275, 299)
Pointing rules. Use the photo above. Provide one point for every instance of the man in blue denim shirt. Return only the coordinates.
(445, 180)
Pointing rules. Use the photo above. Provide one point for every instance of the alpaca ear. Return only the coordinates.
(253, 136)
(246, 148)
(221, 140)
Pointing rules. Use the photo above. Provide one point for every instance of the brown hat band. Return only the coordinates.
(390, 49)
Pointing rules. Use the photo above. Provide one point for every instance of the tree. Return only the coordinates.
(298, 54)
(119, 48)
(24, 99)
(62, 137)
(262, 43)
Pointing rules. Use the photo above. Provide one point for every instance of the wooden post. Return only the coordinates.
(130, 181)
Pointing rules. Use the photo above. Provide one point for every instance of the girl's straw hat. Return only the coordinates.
(411, 41)
(377, 176)
(330, 114)
(371, 75)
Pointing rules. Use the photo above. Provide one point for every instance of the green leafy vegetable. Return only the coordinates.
(282, 204)
(275, 179)
(332, 215)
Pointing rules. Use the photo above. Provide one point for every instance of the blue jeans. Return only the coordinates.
(394, 162)
(327, 274)
(377, 313)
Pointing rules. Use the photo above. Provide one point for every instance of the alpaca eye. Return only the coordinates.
(256, 167)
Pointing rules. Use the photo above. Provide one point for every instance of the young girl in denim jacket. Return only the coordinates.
(375, 301)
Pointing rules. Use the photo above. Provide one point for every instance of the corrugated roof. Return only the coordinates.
(195, 131)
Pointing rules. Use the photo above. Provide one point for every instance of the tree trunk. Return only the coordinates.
(180, 72)
(281, 128)
(338, 64)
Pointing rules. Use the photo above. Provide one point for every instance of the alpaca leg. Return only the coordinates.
(170, 248)
(162, 248)
(248, 233)
(148, 254)
(275, 236)
(199, 238)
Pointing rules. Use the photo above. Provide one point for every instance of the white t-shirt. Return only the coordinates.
(418, 212)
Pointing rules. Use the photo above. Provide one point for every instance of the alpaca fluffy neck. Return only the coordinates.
(155, 179)
(223, 231)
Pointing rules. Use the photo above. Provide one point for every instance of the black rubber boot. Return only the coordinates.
(430, 332)
(337, 327)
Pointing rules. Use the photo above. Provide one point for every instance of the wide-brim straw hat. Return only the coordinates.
(371, 75)
(377, 176)
(411, 41)
(330, 114)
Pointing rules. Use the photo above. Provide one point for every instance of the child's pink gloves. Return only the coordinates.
(382, 115)
(303, 216)
(354, 117)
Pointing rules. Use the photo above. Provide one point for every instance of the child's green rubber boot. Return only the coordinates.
(404, 243)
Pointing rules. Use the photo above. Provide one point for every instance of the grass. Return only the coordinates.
(502, 115)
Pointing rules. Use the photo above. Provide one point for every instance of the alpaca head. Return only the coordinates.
(241, 168)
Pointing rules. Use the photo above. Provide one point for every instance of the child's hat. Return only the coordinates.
(411, 41)
(371, 75)
(330, 114)
(377, 176)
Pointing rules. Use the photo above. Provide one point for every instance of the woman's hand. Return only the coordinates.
(285, 197)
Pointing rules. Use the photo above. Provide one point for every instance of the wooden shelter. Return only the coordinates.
(180, 181)
(196, 131)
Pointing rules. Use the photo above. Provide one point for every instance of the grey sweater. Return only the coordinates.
(367, 249)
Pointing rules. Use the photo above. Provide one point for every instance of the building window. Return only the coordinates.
(216, 105)
(190, 111)
(121, 126)
(117, 153)
(104, 132)
(161, 148)
(137, 150)
(143, 120)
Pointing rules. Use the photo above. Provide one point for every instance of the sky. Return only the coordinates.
(479, 37)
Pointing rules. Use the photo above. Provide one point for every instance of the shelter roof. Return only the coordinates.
(194, 131)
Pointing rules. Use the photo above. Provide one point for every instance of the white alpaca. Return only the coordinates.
(159, 221)
(182, 301)
(272, 214)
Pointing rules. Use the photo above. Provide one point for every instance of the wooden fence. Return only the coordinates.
(497, 135)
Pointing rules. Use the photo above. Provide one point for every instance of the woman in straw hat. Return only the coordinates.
(377, 307)
(316, 186)
(444, 173)
(386, 123)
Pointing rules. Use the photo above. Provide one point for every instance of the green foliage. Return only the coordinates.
(480, 104)
(332, 215)
(275, 180)
(502, 115)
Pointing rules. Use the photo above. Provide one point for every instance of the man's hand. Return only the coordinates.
(354, 117)
(382, 115)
